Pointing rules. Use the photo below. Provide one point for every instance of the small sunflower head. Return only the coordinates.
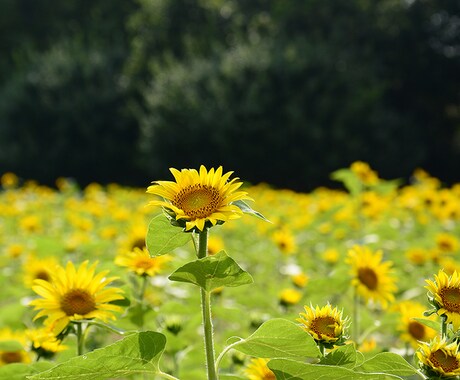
(439, 359)
(326, 325)
(199, 199)
(444, 295)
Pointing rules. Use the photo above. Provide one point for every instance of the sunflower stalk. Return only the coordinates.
(206, 312)
(355, 330)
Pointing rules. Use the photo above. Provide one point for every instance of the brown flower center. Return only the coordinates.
(42, 275)
(451, 299)
(441, 359)
(11, 357)
(138, 243)
(198, 201)
(368, 278)
(416, 330)
(324, 326)
(77, 301)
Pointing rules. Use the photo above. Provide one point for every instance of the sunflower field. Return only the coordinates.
(202, 276)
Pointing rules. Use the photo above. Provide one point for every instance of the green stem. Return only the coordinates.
(225, 350)
(80, 339)
(206, 312)
(143, 288)
(355, 330)
(165, 375)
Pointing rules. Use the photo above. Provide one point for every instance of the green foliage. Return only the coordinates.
(163, 237)
(212, 272)
(20, 371)
(278, 338)
(137, 353)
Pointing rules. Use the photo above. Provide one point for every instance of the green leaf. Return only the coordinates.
(243, 206)
(389, 363)
(429, 323)
(285, 369)
(279, 338)
(343, 356)
(19, 371)
(137, 353)
(162, 237)
(349, 180)
(11, 345)
(212, 272)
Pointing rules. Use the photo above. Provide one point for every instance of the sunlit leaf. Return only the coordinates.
(388, 362)
(163, 238)
(279, 338)
(344, 356)
(137, 353)
(19, 371)
(212, 272)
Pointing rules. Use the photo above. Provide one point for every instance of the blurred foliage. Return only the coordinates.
(280, 91)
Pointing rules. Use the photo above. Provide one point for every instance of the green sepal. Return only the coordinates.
(212, 272)
(243, 206)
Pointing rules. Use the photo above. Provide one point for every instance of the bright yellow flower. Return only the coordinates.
(300, 280)
(201, 199)
(447, 242)
(330, 255)
(372, 278)
(44, 342)
(257, 369)
(439, 358)
(364, 172)
(35, 268)
(412, 331)
(75, 294)
(444, 294)
(325, 324)
(140, 262)
(19, 355)
(285, 241)
(290, 297)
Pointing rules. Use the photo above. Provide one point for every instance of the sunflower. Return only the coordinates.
(139, 261)
(44, 342)
(326, 324)
(201, 199)
(412, 331)
(372, 278)
(257, 369)
(439, 358)
(285, 241)
(15, 353)
(75, 294)
(35, 268)
(444, 295)
(364, 172)
(289, 297)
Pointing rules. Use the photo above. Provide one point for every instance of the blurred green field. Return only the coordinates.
(296, 259)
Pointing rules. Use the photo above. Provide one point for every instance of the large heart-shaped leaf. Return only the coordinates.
(162, 237)
(137, 353)
(387, 362)
(279, 338)
(212, 272)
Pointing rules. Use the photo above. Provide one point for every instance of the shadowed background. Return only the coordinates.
(283, 92)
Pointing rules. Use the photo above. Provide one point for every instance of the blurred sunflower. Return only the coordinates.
(412, 331)
(446, 242)
(372, 278)
(285, 241)
(35, 268)
(257, 369)
(326, 324)
(200, 199)
(444, 295)
(439, 359)
(14, 351)
(75, 294)
(289, 297)
(44, 342)
(141, 263)
(364, 172)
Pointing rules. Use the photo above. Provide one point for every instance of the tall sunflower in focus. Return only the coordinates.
(326, 324)
(199, 199)
(444, 295)
(257, 369)
(372, 278)
(439, 359)
(75, 294)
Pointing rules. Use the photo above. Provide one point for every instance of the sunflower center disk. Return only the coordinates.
(42, 275)
(451, 299)
(11, 357)
(324, 326)
(77, 301)
(368, 278)
(198, 201)
(416, 330)
(441, 360)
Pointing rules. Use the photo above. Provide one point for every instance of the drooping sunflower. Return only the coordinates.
(75, 294)
(326, 324)
(444, 295)
(439, 358)
(257, 369)
(44, 342)
(372, 278)
(139, 261)
(199, 199)
(15, 353)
